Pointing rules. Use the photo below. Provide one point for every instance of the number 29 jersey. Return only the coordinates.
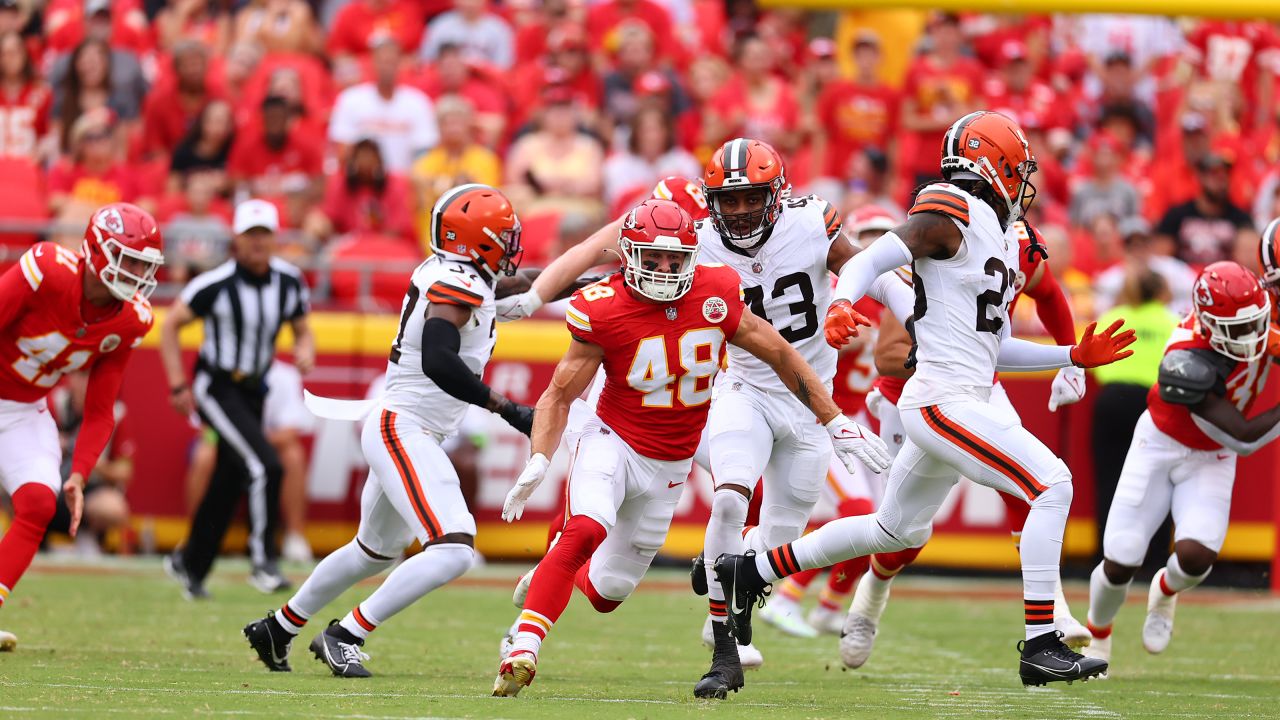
(660, 359)
(786, 283)
(962, 302)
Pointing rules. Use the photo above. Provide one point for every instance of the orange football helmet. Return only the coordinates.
(991, 148)
(476, 224)
(1269, 257)
(742, 164)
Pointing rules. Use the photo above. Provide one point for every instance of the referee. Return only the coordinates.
(243, 302)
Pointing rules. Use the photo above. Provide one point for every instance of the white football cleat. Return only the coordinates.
(1074, 635)
(522, 589)
(508, 640)
(1158, 628)
(826, 621)
(514, 675)
(857, 638)
(748, 656)
(785, 615)
(8, 641)
(1099, 648)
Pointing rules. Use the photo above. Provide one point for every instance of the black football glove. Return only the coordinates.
(518, 416)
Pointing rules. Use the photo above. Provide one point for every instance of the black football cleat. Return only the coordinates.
(726, 670)
(340, 650)
(1047, 659)
(743, 589)
(698, 576)
(270, 641)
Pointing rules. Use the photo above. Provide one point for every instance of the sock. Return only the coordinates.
(838, 540)
(789, 591)
(1015, 515)
(1041, 552)
(33, 507)
(436, 565)
(1105, 599)
(887, 565)
(335, 574)
(872, 596)
(1174, 579)
(801, 581)
(840, 583)
(552, 585)
(724, 535)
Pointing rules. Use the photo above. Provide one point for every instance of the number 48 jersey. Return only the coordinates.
(785, 283)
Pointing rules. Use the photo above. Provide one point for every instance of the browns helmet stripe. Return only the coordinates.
(1267, 252)
(951, 144)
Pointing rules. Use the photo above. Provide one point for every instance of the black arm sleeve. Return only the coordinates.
(440, 362)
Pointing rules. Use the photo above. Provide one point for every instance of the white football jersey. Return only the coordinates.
(962, 304)
(408, 390)
(785, 283)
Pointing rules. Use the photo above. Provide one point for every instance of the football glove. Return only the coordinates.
(854, 443)
(1104, 348)
(1067, 388)
(529, 480)
(517, 307)
(842, 323)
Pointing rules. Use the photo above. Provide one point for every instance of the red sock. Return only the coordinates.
(552, 584)
(886, 565)
(33, 508)
(1015, 512)
(845, 574)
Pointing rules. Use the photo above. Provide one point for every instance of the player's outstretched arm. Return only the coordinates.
(95, 430)
(1093, 350)
(850, 440)
(441, 340)
(559, 276)
(1223, 422)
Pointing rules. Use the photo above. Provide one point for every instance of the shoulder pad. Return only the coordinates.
(830, 218)
(1186, 376)
(944, 200)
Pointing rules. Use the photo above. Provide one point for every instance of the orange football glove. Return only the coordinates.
(1104, 348)
(842, 323)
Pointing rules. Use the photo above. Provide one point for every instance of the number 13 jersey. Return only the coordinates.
(786, 283)
(962, 302)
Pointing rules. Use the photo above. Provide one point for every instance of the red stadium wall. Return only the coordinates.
(970, 531)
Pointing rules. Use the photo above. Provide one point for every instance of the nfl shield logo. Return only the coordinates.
(757, 268)
(671, 313)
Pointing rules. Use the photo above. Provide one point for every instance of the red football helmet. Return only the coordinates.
(1269, 257)
(991, 148)
(476, 224)
(683, 192)
(662, 226)
(742, 164)
(1233, 310)
(123, 248)
(871, 219)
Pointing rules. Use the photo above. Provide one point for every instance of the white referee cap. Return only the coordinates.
(252, 214)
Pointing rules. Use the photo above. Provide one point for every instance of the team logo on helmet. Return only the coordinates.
(1204, 298)
(109, 343)
(714, 309)
(110, 220)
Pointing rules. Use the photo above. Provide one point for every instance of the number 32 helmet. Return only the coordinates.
(663, 226)
(991, 148)
(1233, 310)
(476, 224)
(123, 248)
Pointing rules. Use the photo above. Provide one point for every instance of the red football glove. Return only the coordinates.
(842, 323)
(1105, 348)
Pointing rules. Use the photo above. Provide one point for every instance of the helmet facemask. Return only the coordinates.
(509, 240)
(1243, 337)
(125, 282)
(744, 229)
(646, 278)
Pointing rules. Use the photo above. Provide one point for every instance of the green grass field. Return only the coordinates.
(117, 640)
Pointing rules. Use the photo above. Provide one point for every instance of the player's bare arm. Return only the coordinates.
(441, 341)
(571, 378)
(178, 316)
(304, 344)
(1222, 421)
(554, 280)
(893, 348)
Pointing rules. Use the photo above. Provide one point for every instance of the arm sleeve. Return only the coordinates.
(99, 410)
(886, 253)
(1053, 309)
(440, 362)
(1226, 440)
(1017, 355)
(894, 292)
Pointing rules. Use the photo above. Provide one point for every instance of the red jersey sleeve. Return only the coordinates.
(18, 284)
(578, 315)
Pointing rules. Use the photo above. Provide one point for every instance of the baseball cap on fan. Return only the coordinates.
(252, 214)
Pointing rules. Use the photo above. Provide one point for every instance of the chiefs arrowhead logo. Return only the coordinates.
(1204, 298)
(110, 220)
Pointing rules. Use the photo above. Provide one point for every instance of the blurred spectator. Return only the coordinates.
(452, 74)
(362, 25)
(635, 57)
(1136, 236)
(398, 117)
(197, 224)
(1209, 227)
(820, 71)
(533, 20)
(24, 101)
(206, 146)
(471, 25)
(91, 175)
(201, 21)
(105, 505)
(175, 103)
(941, 87)
(278, 158)
(1016, 92)
(1238, 55)
(121, 23)
(566, 64)
(95, 76)
(556, 166)
(457, 160)
(1145, 39)
(699, 129)
(1266, 206)
(651, 155)
(367, 198)
(285, 420)
(605, 21)
(755, 102)
(1105, 191)
(278, 26)
(868, 182)
(1175, 164)
(858, 113)
(1117, 87)
(237, 68)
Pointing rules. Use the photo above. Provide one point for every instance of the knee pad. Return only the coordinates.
(730, 506)
(1057, 496)
(35, 504)
(453, 559)
(903, 532)
(601, 603)
(1127, 547)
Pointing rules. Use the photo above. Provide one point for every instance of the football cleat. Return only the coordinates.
(340, 650)
(823, 619)
(1158, 628)
(726, 669)
(750, 657)
(1074, 634)
(857, 639)
(522, 589)
(1046, 659)
(267, 578)
(735, 573)
(514, 674)
(270, 641)
(8, 641)
(176, 568)
(1100, 649)
(698, 576)
(785, 615)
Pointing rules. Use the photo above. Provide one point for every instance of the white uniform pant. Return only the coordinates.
(1161, 475)
(29, 447)
(634, 497)
(412, 490)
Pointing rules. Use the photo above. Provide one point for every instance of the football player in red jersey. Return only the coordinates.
(1183, 456)
(659, 329)
(61, 311)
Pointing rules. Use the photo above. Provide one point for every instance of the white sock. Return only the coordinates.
(342, 569)
(724, 535)
(417, 576)
(1105, 599)
(1176, 579)
(838, 540)
(533, 629)
(871, 597)
(1040, 550)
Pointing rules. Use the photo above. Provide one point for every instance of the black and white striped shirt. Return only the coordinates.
(243, 313)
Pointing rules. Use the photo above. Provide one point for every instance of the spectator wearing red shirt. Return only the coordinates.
(1016, 92)
(567, 64)
(605, 20)
(92, 175)
(359, 25)
(197, 225)
(24, 101)
(277, 158)
(121, 23)
(941, 87)
(365, 199)
(175, 103)
(854, 114)
(1236, 53)
(755, 103)
(453, 74)
(15, 19)
(1117, 85)
(1174, 164)
(203, 21)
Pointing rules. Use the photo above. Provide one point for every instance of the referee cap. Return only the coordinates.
(252, 214)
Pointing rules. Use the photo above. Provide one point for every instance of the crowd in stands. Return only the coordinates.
(1157, 139)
